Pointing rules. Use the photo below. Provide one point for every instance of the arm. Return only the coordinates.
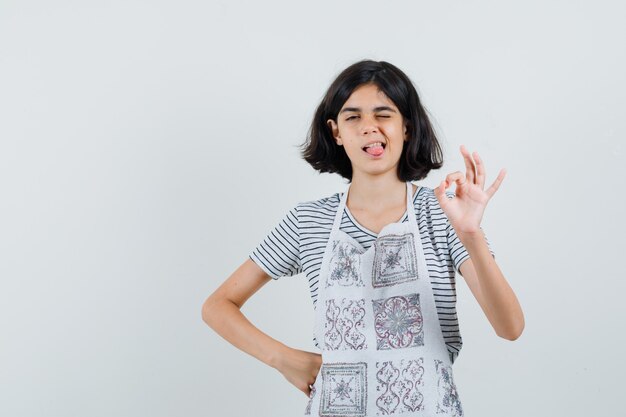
(490, 288)
(222, 312)
(482, 274)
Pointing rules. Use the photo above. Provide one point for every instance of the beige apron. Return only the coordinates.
(383, 351)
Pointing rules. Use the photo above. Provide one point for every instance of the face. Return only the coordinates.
(369, 116)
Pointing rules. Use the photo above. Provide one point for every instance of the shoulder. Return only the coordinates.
(318, 210)
(321, 203)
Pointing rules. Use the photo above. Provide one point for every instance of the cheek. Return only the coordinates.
(392, 128)
(393, 133)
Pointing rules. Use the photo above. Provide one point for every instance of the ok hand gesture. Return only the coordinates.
(465, 211)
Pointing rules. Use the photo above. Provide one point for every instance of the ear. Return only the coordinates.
(335, 130)
(406, 136)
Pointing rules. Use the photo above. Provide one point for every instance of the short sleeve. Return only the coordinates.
(458, 253)
(278, 254)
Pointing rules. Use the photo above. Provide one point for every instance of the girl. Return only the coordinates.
(380, 258)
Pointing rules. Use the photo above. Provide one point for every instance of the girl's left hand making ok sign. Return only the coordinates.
(465, 211)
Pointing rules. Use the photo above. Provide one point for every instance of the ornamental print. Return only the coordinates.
(399, 384)
(343, 328)
(448, 401)
(344, 389)
(395, 260)
(398, 322)
(345, 265)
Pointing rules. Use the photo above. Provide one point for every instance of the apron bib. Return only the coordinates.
(383, 351)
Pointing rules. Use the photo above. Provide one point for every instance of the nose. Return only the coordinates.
(368, 125)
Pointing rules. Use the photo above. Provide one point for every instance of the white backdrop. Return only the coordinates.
(148, 146)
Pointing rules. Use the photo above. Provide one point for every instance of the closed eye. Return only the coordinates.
(352, 117)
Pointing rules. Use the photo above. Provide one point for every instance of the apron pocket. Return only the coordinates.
(344, 389)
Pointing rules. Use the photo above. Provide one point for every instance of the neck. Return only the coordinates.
(376, 193)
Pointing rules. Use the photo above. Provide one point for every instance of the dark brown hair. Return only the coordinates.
(420, 153)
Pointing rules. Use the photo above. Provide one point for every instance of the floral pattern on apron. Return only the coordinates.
(383, 349)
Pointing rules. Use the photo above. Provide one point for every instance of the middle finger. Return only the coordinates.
(480, 171)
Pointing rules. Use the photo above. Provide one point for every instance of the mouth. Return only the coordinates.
(375, 149)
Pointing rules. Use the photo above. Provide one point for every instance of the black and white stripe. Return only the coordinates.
(297, 245)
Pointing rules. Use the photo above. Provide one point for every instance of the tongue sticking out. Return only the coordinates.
(374, 150)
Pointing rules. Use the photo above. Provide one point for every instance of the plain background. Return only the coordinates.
(147, 147)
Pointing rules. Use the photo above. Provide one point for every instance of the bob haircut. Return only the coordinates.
(420, 153)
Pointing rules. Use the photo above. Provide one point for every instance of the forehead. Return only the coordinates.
(366, 96)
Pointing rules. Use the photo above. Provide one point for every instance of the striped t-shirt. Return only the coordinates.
(297, 245)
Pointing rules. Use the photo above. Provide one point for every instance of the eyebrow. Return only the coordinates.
(379, 108)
